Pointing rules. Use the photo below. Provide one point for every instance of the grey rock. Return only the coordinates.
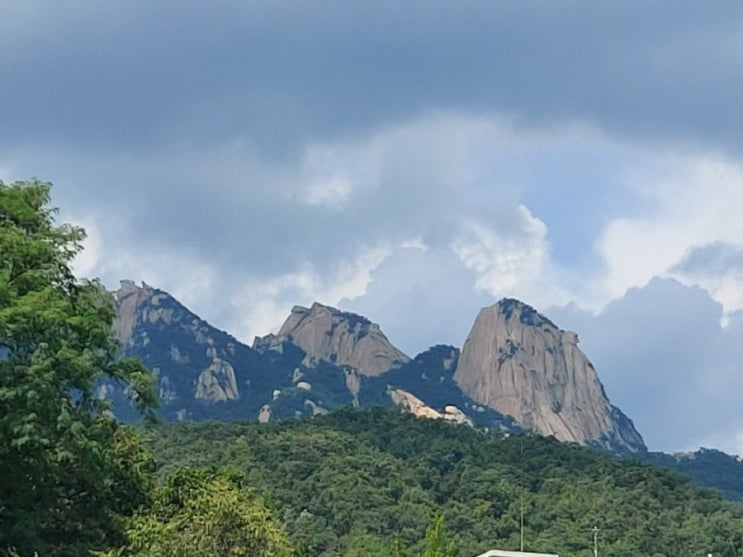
(343, 339)
(519, 363)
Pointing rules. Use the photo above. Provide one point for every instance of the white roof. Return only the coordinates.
(500, 553)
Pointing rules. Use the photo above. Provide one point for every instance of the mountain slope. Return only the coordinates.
(341, 338)
(353, 481)
(708, 467)
(517, 362)
(204, 373)
(516, 370)
(199, 369)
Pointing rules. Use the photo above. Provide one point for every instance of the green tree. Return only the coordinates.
(200, 512)
(436, 542)
(64, 462)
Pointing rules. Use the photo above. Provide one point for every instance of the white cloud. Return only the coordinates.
(263, 305)
(88, 261)
(696, 201)
(332, 192)
(509, 262)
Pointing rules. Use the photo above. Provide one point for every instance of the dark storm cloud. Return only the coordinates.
(280, 73)
(248, 216)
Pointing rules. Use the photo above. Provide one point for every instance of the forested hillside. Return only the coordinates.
(362, 481)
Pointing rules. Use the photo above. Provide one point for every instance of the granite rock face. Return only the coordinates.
(217, 382)
(410, 403)
(520, 364)
(136, 305)
(340, 338)
(517, 371)
(191, 360)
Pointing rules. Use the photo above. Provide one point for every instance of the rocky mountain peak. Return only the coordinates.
(165, 335)
(341, 338)
(519, 363)
(135, 303)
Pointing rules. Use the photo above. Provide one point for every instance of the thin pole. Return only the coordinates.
(595, 542)
(522, 495)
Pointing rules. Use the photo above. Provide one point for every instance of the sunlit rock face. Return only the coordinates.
(517, 362)
(408, 402)
(517, 371)
(217, 383)
(412, 404)
(136, 305)
(340, 338)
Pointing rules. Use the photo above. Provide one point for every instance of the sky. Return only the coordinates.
(412, 162)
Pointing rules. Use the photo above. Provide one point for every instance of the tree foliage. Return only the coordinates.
(368, 481)
(201, 512)
(436, 541)
(67, 470)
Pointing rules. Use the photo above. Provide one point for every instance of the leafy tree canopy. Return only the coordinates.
(370, 482)
(67, 470)
(202, 512)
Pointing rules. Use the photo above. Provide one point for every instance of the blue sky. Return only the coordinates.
(412, 162)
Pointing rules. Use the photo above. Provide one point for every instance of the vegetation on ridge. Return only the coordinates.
(359, 481)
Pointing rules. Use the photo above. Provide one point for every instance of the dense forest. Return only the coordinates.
(362, 481)
(75, 481)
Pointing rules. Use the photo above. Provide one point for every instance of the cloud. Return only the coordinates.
(510, 260)
(690, 201)
(716, 258)
(717, 267)
(421, 296)
(666, 361)
(287, 74)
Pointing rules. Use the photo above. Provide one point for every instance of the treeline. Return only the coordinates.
(367, 481)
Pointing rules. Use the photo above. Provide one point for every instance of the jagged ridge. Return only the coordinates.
(516, 370)
(341, 338)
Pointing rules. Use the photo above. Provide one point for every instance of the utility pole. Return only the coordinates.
(522, 495)
(595, 541)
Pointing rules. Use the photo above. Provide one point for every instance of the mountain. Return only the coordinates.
(517, 371)
(323, 359)
(320, 359)
(708, 467)
(518, 363)
(199, 369)
(343, 339)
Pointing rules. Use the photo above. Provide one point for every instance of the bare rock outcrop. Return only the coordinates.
(217, 382)
(410, 403)
(195, 354)
(137, 304)
(264, 415)
(520, 364)
(341, 338)
(454, 414)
